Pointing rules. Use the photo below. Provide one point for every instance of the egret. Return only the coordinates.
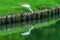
(28, 32)
(27, 7)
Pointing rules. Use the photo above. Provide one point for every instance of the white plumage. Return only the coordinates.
(28, 7)
(28, 32)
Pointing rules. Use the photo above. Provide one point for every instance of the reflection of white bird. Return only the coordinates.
(28, 7)
(28, 32)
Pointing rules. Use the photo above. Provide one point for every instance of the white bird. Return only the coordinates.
(28, 32)
(28, 7)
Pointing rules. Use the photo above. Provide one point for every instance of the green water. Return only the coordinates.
(46, 33)
(51, 32)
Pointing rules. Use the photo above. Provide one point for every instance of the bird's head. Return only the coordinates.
(26, 6)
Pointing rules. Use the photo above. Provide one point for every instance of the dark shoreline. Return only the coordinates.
(52, 13)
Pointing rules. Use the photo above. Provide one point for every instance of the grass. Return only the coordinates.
(14, 6)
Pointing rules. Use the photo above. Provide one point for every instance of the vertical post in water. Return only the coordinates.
(22, 17)
(59, 12)
(8, 19)
(42, 16)
(14, 18)
(56, 12)
(46, 16)
(3, 20)
(53, 13)
(39, 17)
(29, 16)
(0, 19)
(14, 21)
(50, 15)
(26, 17)
(33, 16)
(18, 18)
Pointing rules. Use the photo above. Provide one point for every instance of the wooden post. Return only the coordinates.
(58, 13)
(3, 20)
(29, 16)
(13, 19)
(8, 19)
(0, 20)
